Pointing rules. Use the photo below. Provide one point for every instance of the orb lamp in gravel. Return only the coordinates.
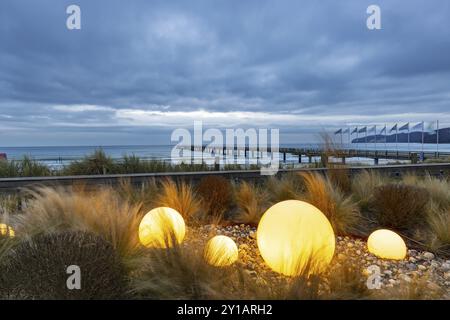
(386, 244)
(6, 231)
(162, 227)
(295, 237)
(221, 251)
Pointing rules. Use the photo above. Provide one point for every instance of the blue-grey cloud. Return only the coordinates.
(141, 67)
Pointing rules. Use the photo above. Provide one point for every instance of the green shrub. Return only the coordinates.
(96, 163)
(131, 164)
(37, 268)
(400, 206)
(26, 167)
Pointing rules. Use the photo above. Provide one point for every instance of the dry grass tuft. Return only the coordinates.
(179, 196)
(339, 176)
(339, 209)
(346, 281)
(181, 273)
(438, 189)
(144, 194)
(417, 289)
(287, 187)
(10, 203)
(252, 201)
(36, 268)
(438, 238)
(364, 185)
(400, 206)
(101, 212)
(216, 194)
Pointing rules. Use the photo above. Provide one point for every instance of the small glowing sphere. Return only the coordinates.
(221, 251)
(6, 230)
(162, 227)
(386, 244)
(295, 237)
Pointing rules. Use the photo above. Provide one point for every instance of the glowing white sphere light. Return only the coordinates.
(295, 237)
(386, 244)
(6, 230)
(221, 251)
(161, 228)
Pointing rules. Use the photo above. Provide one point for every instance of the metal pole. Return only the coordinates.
(409, 130)
(375, 137)
(365, 140)
(357, 138)
(349, 139)
(396, 138)
(437, 137)
(423, 133)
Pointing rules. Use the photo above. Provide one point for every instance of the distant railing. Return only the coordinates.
(12, 185)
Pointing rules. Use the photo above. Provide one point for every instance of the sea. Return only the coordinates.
(56, 156)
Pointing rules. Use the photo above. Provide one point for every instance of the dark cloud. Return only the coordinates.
(315, 61)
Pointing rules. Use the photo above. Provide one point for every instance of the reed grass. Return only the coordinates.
(101, 212)
(438, 237)
(144, 194)
(400, 206)
(180, 196)
(341, 210)
(364, 185)
(26, 167)
(438, 189)
(36, 268)
(216, 197)
(94, 164)
(252, 201)
(286, 187)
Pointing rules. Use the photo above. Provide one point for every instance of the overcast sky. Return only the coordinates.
(138, 69)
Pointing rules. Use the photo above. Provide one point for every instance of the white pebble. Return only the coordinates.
(428, 256)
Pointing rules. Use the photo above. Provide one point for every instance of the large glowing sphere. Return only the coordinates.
(295, 237)
(221, 251)
(162, 227)
(6, 230)
(386, 244)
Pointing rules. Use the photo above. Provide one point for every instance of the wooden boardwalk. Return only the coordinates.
(312, 153)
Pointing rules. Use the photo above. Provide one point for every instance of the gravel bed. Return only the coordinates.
(417, 265)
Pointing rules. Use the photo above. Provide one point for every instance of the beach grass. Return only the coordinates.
(99, 163)
(112, 215)
(26, 167)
